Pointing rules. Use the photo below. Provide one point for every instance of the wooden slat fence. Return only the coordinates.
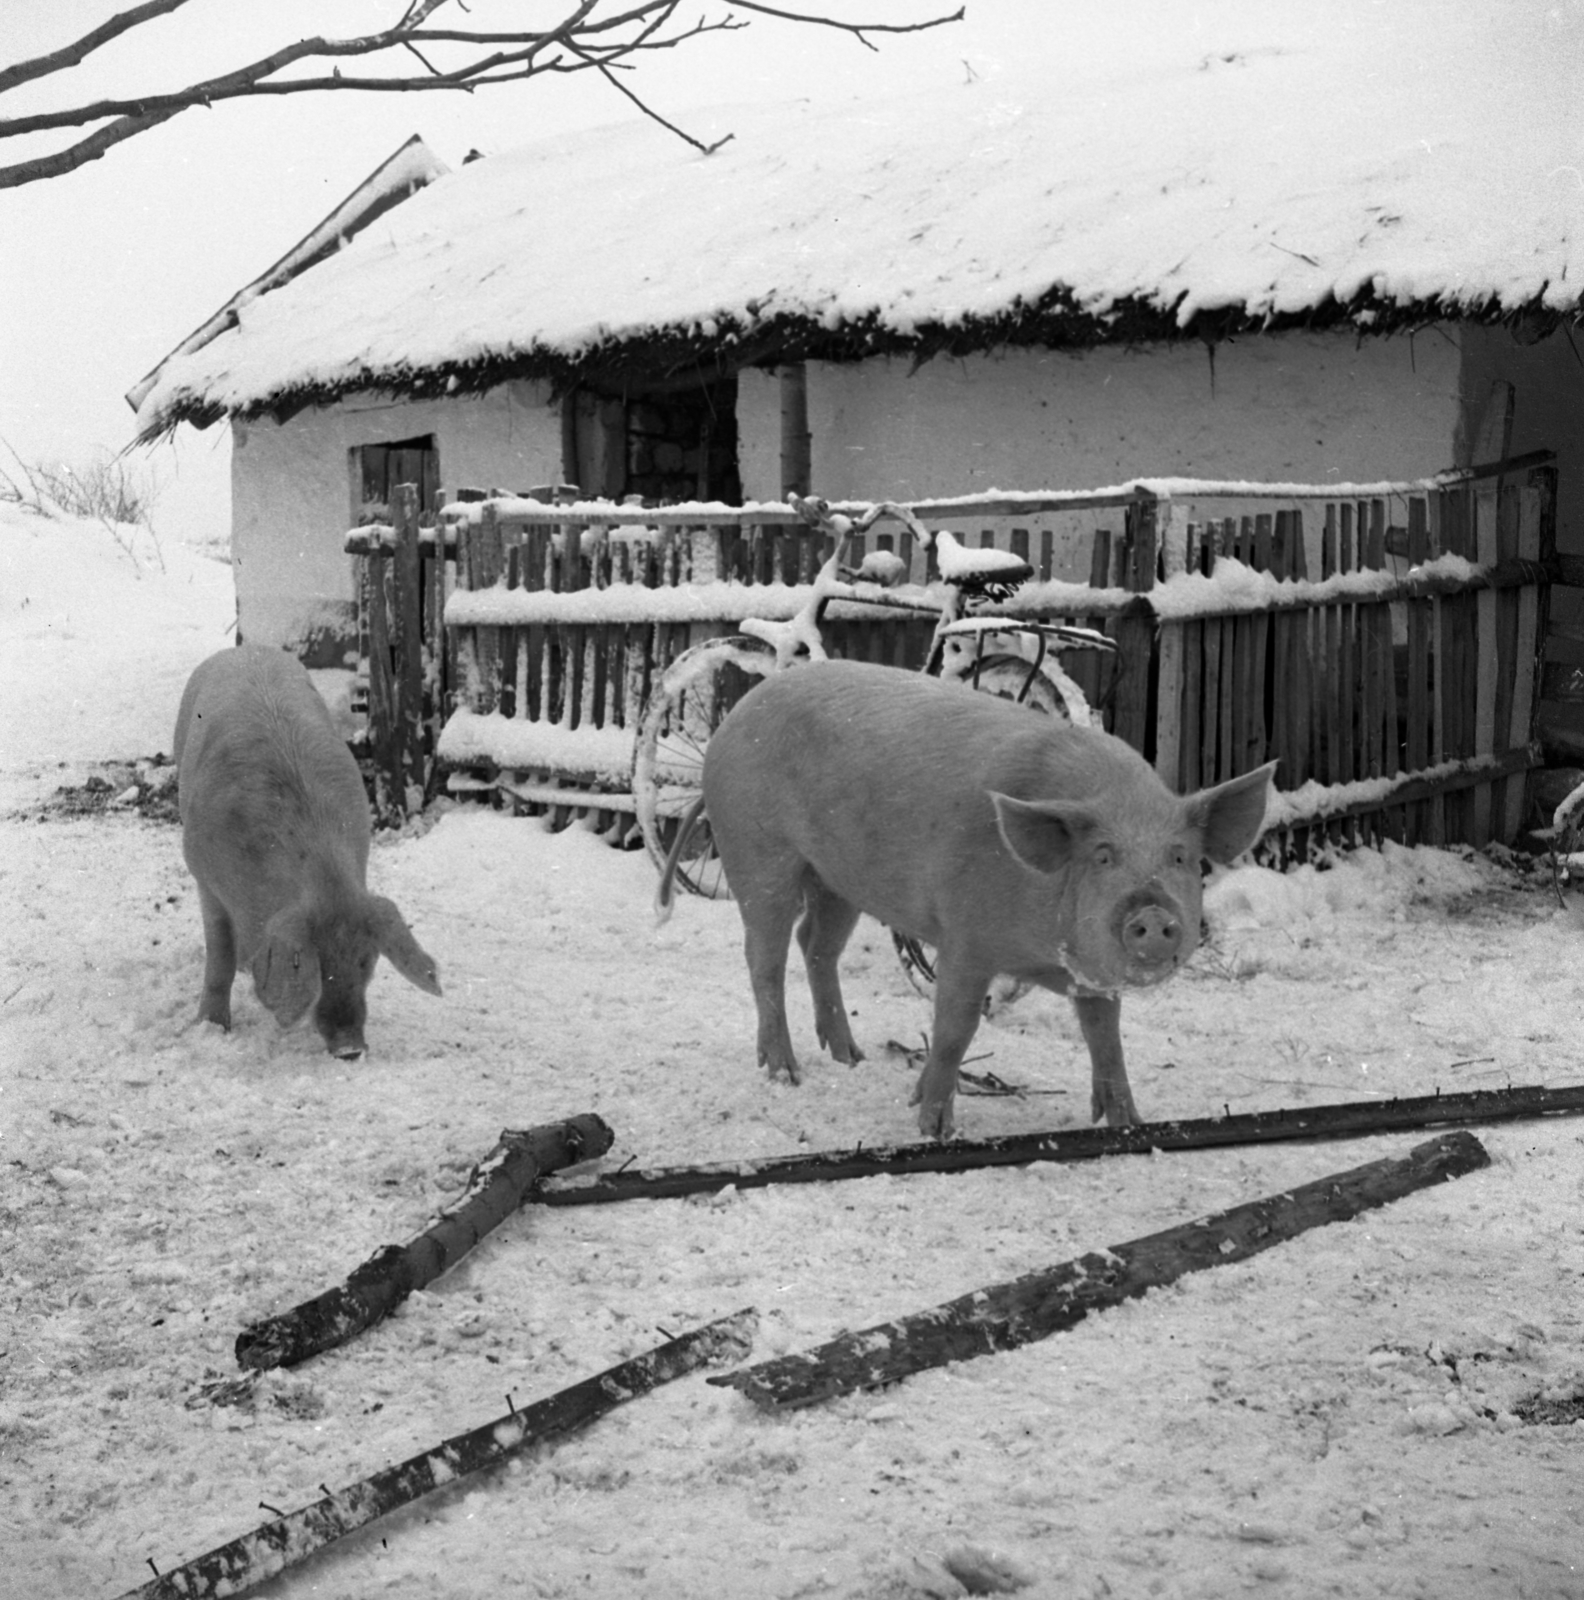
(1382, 642)
(1393, 675)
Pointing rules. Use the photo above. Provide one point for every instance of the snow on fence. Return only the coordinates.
(1381, 640)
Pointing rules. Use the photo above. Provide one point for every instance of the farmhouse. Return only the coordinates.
(1314, 255)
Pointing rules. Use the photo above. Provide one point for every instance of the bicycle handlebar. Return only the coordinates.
(816, 511)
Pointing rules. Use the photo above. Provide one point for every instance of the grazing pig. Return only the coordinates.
(1011, 841)
(275, 828)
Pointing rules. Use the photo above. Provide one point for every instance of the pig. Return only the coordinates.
(275, 828)
(1013, 842)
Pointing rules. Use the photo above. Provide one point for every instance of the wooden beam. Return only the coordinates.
(245, 1562)
(1344, 1120)
(497, 1187)
(1004, 1316)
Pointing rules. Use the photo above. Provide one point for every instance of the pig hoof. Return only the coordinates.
(1115, 1114)
(935, 1122)
(844, 1051)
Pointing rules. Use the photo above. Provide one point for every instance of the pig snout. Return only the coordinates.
(1153, 935)
(346, 1044)
(343, 1007)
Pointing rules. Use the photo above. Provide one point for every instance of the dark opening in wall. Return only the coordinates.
(378, 468)
(665, 444)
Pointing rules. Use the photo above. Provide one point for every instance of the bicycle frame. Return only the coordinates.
(1025, 640)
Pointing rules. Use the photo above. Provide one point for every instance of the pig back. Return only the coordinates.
(881, 780)
(272, 805)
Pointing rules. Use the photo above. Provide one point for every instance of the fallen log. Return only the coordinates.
(1041, 1303)
(269, 1549)
(497, 1186)
(1344, 1120)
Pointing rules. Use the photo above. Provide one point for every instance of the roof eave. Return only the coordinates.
(1055, 322)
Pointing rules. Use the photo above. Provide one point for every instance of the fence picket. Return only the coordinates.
(1526, 654)
(1328, 764)
(1488, 660)
(1170, 739)
(1426, 820)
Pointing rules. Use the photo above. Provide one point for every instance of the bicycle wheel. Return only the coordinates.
(1049, 689)
(693, 695)
(1007, 677)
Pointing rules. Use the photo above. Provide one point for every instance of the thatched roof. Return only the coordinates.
(1141, 174)
(399, 176)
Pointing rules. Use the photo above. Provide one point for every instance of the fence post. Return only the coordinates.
(1135, 630)
(440, 646)
(485, 555)
(1487, 658)
(409, 766)
(381, 688)
(1172, 536)
(1529, 652)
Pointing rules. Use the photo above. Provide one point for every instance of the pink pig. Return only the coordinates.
(1013, 842)
(275, 828)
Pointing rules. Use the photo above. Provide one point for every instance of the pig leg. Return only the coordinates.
(220, 961)
(828, 922)
(767, 933)
(959, 1003)
(1100, 1017)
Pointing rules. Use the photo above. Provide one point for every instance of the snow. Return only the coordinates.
(958, 561)
(1312, 800)
(1233, 586)
(884, 567)
(472, 736)
(1331, 1417)
(501, 607)
(101, 625)
(1194, 158)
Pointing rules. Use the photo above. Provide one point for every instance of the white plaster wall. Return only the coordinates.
(1310, 407)
(292, 493)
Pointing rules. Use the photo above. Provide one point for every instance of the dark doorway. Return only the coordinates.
(378, 468)
(665, 444)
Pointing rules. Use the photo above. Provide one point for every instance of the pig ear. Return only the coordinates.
(1231, 816)
(286, 969)
(1042, 834)
(398, 946)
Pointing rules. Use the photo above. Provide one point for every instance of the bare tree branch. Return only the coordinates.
(649, 111)
(858, 29)
(73, 55)
(89, 149)
(583, 40)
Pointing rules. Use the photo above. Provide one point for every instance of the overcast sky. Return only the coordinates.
(103, 271)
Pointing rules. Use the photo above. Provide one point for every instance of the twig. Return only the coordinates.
(654, 116)
(858, 29)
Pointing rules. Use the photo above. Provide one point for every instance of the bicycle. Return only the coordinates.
(973, 642)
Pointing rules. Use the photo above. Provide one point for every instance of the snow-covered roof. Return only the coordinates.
(1143, 170)
(401, 174)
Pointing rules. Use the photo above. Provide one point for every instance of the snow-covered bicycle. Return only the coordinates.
(974, 642)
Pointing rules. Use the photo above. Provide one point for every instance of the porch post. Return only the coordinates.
(796, 467)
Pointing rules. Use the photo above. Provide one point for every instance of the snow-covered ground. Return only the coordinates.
(1333, 1417)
